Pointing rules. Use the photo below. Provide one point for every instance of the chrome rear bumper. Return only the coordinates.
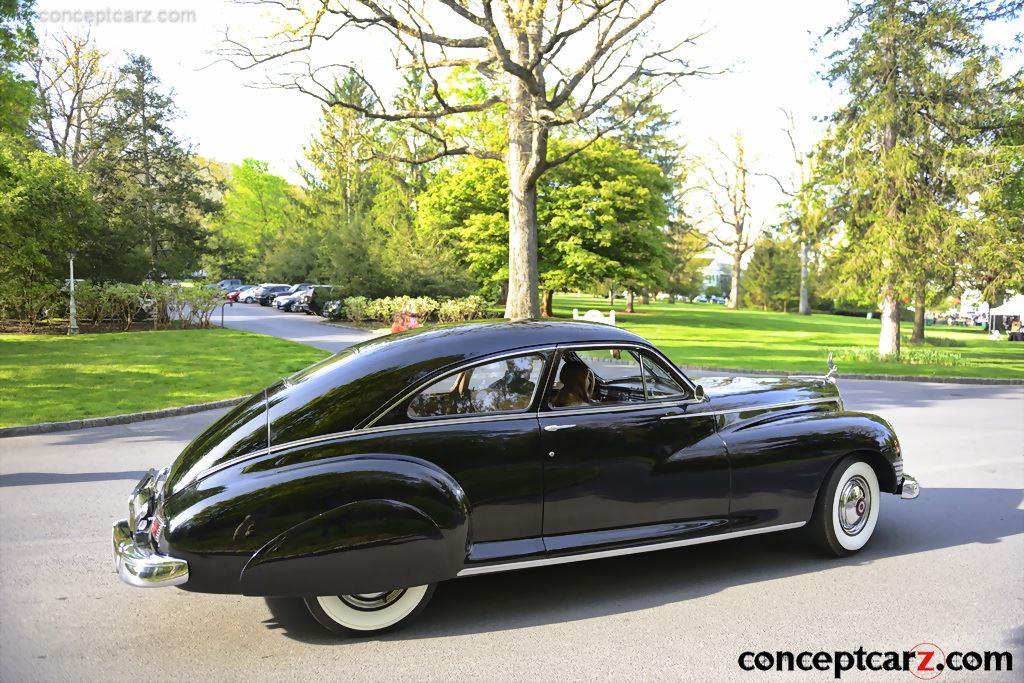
(909, 488)
(138, 565)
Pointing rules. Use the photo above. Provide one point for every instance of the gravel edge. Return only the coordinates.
(127, 418)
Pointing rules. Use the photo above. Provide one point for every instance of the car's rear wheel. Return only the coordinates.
(248, 299)
(847, 508)
(366, 614)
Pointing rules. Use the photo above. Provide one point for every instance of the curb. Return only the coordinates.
(127, 418)
(883, 378)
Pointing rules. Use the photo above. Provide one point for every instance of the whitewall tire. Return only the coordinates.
(847, 508)
(369, 613)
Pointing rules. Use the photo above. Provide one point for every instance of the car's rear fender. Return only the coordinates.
(361, 517)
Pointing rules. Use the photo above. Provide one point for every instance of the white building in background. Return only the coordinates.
(718, 274)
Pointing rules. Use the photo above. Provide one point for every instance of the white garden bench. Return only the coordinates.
(595, 316)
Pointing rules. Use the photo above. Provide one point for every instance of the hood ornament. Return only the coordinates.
(832, 369)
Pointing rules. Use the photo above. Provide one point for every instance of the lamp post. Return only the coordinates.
(73, 315)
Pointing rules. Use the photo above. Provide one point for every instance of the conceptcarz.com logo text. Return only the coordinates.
(925, 661)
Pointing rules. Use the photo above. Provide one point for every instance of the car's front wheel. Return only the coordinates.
(847, 508)
(248, 299)
(366, 614)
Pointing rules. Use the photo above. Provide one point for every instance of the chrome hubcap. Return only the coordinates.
(854, 505)
(370, 602)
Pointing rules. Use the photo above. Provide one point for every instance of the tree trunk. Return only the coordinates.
(889, 337)
(502, 293)
(805, 295)
(527, 152)
(645, 296)
(629, 301)
(611, 296)
(917, 337)
(734, 288)
(549, 295)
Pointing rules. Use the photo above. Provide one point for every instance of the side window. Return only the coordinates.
(596, 377)
(659, 381)
(502, 386)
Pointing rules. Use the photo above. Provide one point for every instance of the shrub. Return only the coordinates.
(90, 302)
(29, 302)
(382, 309)
(456, 310)
(355, 308)
(124, 301)
(202, 301)
(423, 307)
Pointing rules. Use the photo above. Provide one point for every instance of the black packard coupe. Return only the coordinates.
(365, 479)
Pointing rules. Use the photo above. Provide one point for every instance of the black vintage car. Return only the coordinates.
(361, 482)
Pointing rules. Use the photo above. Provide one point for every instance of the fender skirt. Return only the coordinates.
(361, 547)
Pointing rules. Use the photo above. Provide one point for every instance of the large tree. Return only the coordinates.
(601, 217)
(772, 278)
(46, 210)
(17, 39)
(75, 88)
(253, 219)
(730, 225)
(546, 65)
(152, 189)
(919, 80)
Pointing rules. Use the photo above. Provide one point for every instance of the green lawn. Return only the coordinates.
(47, 378)
(714, 336)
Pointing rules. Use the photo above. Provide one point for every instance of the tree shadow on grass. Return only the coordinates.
(572, 592)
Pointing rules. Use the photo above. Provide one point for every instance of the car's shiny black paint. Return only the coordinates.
(322, 485)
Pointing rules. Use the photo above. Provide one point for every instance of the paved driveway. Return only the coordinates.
(299, 327)
(946, 568)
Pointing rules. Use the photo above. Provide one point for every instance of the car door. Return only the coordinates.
(479, 424)
(627, 458)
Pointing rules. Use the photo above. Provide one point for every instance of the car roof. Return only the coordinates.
(348, 388)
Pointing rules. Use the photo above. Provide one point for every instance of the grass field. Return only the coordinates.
(51, 378)
(714, 336)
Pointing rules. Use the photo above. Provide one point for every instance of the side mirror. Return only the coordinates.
(698, 393)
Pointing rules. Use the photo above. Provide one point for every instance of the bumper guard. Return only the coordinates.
(909, 488)
(138, 565)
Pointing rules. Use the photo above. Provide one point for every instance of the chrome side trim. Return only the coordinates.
(500, 418)
(632, 550)
(746, 409)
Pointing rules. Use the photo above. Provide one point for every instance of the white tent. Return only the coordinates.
(1013, 308)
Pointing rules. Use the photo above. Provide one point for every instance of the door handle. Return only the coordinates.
(555, 428)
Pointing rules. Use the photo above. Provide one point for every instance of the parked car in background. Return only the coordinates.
(314, 299)
(700, 299)
(267, 296)
(227, 284)
(235, 292)
(248, 295)
(720, 300)
(287, 301)
(362, 481)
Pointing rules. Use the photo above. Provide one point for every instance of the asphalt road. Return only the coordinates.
(306, 329)
(945, 568)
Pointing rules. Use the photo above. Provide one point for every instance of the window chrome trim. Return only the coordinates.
(631, 550)
(673, 369)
